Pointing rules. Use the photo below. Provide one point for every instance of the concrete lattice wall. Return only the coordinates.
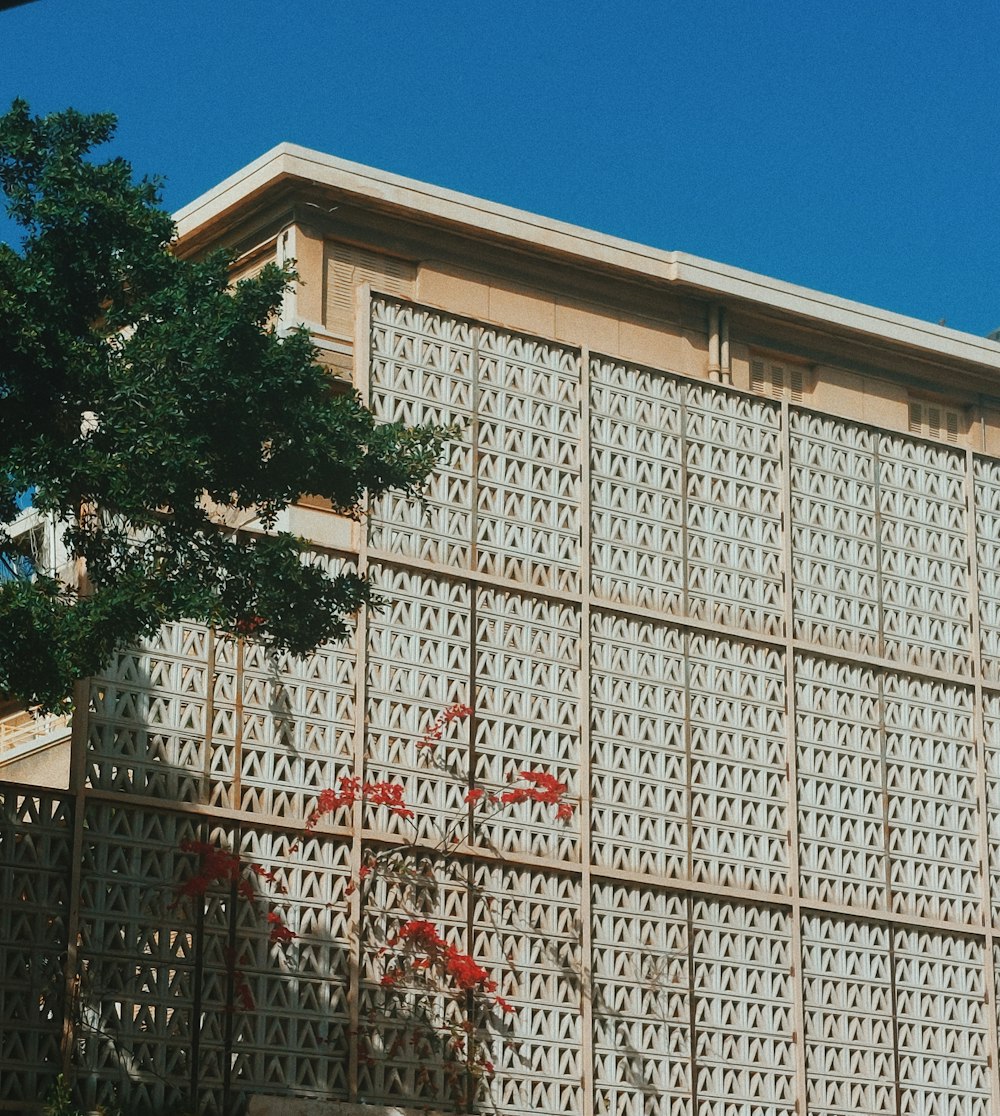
(760, 645)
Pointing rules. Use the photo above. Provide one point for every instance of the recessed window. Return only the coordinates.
(934, 420)
(779, 379)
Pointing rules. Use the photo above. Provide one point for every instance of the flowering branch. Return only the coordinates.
(418, 956)
(221, 866)
(350, 787)
(542, 787)
(455, 712)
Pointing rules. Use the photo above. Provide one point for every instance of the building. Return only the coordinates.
(720, 553)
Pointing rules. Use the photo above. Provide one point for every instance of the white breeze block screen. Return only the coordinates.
(761, 648)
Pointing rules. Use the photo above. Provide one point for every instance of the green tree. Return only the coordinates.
(140, 394)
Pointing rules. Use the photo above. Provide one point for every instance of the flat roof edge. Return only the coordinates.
(543, 234)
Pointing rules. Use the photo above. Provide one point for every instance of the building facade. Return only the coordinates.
(720, 554)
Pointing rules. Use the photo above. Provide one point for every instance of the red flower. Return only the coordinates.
(456, 712)
(544, 788)
(551, 788)
(387, 794)
(422, 937)
(419, 931)
(217, 866)
(264, 873)
(475, 794)
(350, 787)
(464, 971)
(330, 800)
(247, 625)
(279, 931)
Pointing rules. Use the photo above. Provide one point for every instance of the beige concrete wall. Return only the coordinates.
(635, 338)
(987, 437)
(43, 766)
(309, 257)
(676, 342)
(313, 519)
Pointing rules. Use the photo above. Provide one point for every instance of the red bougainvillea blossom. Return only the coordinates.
(279, 932)
(456, 712)
(349, 788)
(420, 942)
(542, 787)
(247, 625)
(216, 866)
(389, 795)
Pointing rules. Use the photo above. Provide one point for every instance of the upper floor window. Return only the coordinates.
(779, 379)
(935, 420)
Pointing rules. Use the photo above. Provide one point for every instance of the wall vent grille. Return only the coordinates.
(346, 267)
(778, 380)
(931, 420)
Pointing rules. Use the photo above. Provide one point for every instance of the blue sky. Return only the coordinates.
(853, 147)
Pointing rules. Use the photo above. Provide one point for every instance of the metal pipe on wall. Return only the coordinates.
(713, 343)
(725, 365)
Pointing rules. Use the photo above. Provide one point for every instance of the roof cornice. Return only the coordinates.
(586, 248)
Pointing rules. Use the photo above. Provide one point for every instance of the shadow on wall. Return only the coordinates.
(198, 988)
(226, 951)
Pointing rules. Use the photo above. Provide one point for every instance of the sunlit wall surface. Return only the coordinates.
(760, 645)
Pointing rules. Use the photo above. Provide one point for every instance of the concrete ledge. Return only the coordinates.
(376, 189)
(43, 762)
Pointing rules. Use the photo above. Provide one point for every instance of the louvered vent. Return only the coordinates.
(346, 267)
(780, 381)
(931, 420)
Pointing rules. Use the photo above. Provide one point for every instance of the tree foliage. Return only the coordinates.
(140, 393)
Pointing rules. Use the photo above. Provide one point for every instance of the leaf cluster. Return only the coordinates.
(140, 395)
